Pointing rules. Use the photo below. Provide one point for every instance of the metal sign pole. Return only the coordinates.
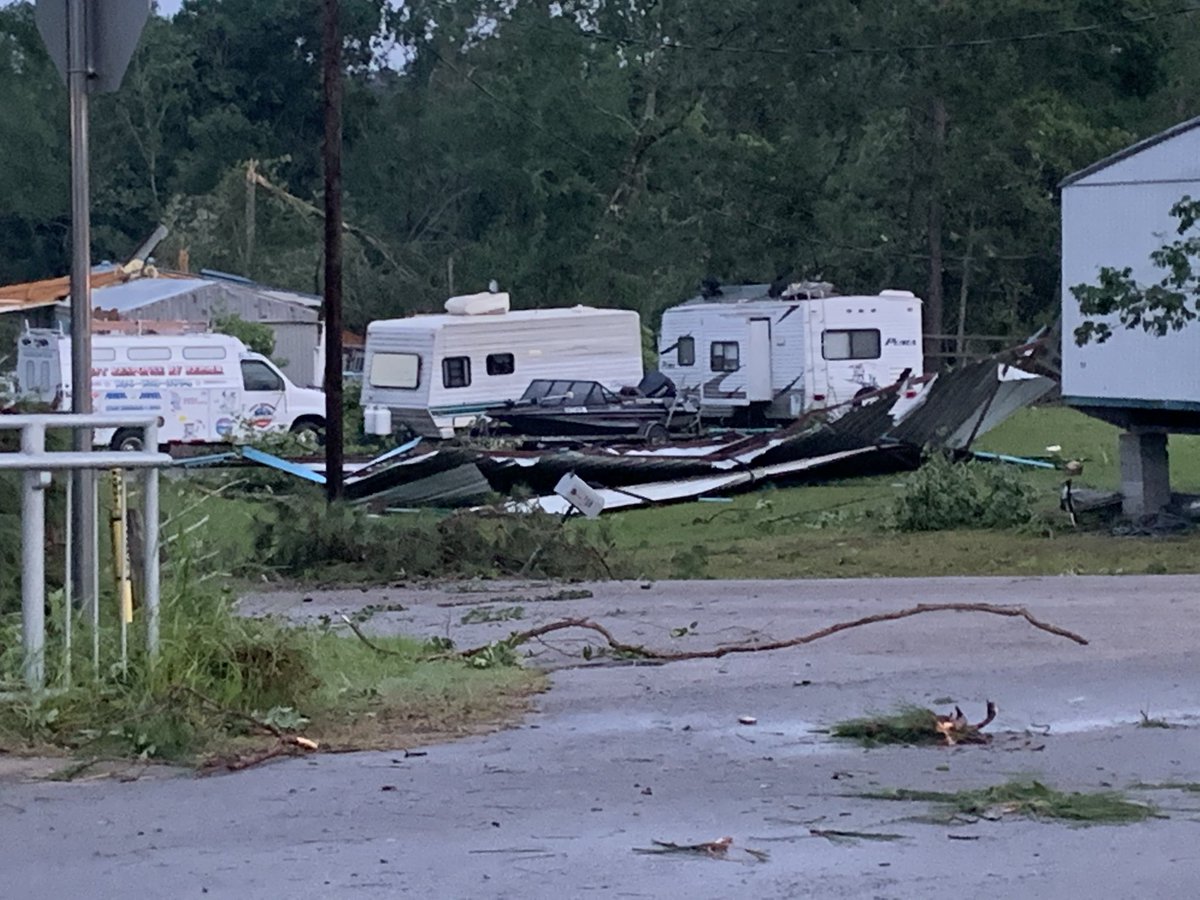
(83, 511)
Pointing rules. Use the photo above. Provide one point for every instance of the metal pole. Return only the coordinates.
(33, 567)
(150, 573)
(331, 56)
(68, 619)
(83, 531)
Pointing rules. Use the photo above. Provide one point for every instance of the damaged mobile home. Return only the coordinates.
(887, 430)
(756, 353)
(436, 373)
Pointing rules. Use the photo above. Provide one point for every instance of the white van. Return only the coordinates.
(748, 353)
(437, 373)
(204, 388)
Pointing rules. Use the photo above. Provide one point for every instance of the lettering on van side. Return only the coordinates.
(900, 342)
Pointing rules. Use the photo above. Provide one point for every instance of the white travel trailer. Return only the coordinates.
(436, 373)
(755, 357)
(204, 388)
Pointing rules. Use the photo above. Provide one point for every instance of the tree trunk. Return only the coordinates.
(963, 289)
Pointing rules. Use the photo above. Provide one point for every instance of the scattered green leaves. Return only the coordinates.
(481, 614)
(1032, 800)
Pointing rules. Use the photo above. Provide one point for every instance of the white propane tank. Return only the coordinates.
(377, 420)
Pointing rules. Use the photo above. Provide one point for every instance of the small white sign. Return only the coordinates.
(580, 495)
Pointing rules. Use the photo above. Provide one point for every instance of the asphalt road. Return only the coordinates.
(618, 756)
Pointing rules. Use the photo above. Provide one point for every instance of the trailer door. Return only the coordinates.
(758, 361)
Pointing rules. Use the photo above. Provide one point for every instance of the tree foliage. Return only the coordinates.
(603, 152)
(1166, 305)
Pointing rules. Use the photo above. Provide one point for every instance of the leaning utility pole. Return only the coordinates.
(331, 80)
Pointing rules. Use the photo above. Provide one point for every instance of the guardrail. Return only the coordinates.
(37, 465)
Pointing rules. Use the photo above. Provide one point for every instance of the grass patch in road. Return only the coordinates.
(1030, 800)
(1149, 722)
(908, 725)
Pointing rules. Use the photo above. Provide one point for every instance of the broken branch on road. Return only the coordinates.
(718, 849)
(636, 651)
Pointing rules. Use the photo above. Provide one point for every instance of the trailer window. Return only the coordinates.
(685, 351)
(148, 353)
(857, 343)
(396, 370)
(203, 352)
(501, 364)
(724, 356)
(103, 354)
(258, 376)
(456, 371)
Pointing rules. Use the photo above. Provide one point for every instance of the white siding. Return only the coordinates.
(581, 342)
(1109, 221)
(295, 351)
(800, 376)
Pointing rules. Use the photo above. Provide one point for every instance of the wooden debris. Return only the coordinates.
(718, 849)
(634, 651)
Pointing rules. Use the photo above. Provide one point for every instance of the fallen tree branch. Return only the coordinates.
(358, 632)
(288, 745)
(1016, 612)
(229, 711)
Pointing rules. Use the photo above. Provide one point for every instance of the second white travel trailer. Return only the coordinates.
(754, 355)
(434, 374)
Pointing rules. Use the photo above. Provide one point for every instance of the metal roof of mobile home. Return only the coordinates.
(1162, 137)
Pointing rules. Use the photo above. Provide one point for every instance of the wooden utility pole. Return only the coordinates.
(331, 81)
(935, 301)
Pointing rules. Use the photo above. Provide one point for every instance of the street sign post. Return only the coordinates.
(111, 30)
(91, 43)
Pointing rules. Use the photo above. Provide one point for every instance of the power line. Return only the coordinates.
(970, 43)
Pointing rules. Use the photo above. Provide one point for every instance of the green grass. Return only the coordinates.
(215, 669)
(1031, 800)
(908, 725)
(841, 529)
(1031, 431)
(834, 530)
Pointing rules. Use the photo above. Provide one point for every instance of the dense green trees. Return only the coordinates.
(614, 153)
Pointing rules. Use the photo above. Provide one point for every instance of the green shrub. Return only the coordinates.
(347, 542)
(943, 494)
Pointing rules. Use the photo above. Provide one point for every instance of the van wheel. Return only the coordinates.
(309, 433)
(128, 440)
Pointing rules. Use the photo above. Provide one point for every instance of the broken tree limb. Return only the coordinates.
(358, 632)
(1016, 612)
(288, 745)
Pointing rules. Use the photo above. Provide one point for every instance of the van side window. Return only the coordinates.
(685, 351)
(724, 356)
(456, 371)
(258, 376)
(501, 364)
(148, 353)
(203, 352)
(851, 343)
(103, 354)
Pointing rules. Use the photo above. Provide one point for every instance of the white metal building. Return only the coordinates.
(1115, 213)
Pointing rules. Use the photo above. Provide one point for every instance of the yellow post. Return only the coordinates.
(118, 520)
